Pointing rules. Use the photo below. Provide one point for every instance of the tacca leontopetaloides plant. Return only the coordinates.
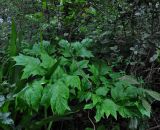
(67, 71)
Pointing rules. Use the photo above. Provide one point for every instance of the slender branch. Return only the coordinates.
(94, 127)
(153, 128)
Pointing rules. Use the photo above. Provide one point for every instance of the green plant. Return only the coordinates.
(56, 77)
(126, 37)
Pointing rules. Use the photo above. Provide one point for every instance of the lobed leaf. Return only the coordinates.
(59, 99)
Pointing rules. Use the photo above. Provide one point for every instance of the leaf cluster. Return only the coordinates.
(72, 73)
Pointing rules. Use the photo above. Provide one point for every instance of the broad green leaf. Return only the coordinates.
(99, 113)
(52, 70)
(124, 112)
(95, 79)
(76, 67)
(46, 96)
(77, 46)
(73, 81)
(88, 106)
(31, 66)
(109, 108)
(131, 91)
(59, 73)
(47, 61)
(88, 96)
(147, 106)
(64, 61)
(94, 70)
(86, 42)
(32, 94)
(83, 52)
(122, 91)
(153, 94)
(31, 70)
(117, 92)
(64, 43)
(66, 52)
(69, 48)
(129, 79)
(83, 64)
(104, 69)
(66, 48)
(102, 91)
(59, 99)
(115, 75)
(38, 48)
(96, 99)
(86, 84)
(84, 96)
(25, 60)
(144, 108)
(104, 81)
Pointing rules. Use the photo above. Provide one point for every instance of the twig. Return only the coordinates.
(152, 69)
(50, 125)
(155, 127)
(94, 127)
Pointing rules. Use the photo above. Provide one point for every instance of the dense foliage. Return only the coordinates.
(77, 64)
